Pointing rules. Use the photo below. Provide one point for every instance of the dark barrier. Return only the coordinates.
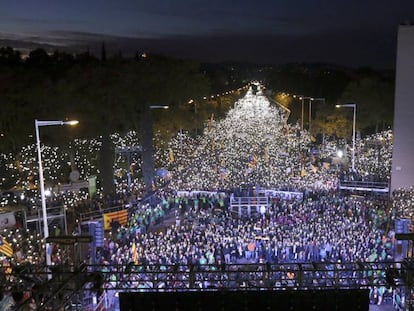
(291, 300)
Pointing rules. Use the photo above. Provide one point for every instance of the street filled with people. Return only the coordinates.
(188, 219)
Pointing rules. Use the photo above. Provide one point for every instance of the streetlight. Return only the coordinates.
(191, 101)
(159, 107)
(147, 147)
(41, 181)
(310, 108)
(353, 106)
(302, 98)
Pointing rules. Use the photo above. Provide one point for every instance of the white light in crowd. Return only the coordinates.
(232, 159)
(340, 153)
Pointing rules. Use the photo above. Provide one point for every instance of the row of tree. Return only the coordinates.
(105, 96)
(371, 91)
(109, 93)
(113, 94)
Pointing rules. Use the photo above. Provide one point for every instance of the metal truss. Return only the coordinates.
(68, 283)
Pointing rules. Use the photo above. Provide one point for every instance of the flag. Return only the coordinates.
(266, 155)
(8, 271)
(153, 186)
(5, 247)
(170, 155)
(253, 160)
(120, 216)
(134, 253)
(210, 122)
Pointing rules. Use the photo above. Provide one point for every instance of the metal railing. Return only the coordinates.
(249, 276)
(98, 214)
(54, 213)
(365, 186)
(248, 206)
(230, 276)
(70, 281)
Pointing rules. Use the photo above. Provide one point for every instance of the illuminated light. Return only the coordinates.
(203, 173)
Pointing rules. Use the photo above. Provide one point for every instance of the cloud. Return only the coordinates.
(374, 46)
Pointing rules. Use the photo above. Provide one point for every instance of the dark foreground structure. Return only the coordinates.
(288, 286)
(351, 299)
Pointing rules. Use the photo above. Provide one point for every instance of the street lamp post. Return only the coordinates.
(159, 107)
(41, 181)
(353, 106)
(310, 108)
(147, 147)
(302, 98)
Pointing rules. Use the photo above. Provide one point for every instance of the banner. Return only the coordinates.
(5, 247)
(120, 216)
(92, 186)
(73, 186)
(7, 220)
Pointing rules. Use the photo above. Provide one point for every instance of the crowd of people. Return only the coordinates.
(330, 227)
(323, 229)
(200, 230)
(253, 145)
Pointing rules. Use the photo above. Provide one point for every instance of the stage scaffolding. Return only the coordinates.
(75, 285)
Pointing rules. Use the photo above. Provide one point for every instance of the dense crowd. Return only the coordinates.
(327, 228)
(253, 146)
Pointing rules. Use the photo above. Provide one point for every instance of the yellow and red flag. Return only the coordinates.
(171, 155)
(210, 122)
(5, 247)
(134, 253)
(253, 160)
(266, 155)
(119, 216)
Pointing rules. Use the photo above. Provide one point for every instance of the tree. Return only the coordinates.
(9, 56)
(375, 105)
(157, 80)
(329, 123)
(15, 118)
(38, 57)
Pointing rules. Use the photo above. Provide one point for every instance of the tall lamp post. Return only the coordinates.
(311, 99)
(41, 181)
(147, 147)
(302, 98)
(353, 106)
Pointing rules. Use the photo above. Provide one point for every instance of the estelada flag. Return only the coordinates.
(119, 216)
(134, 252)
(253, 160)
(210, 122)
(266, 155)
(171, 155)
(5, 247)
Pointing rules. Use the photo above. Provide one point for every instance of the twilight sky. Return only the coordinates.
(344, 32)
